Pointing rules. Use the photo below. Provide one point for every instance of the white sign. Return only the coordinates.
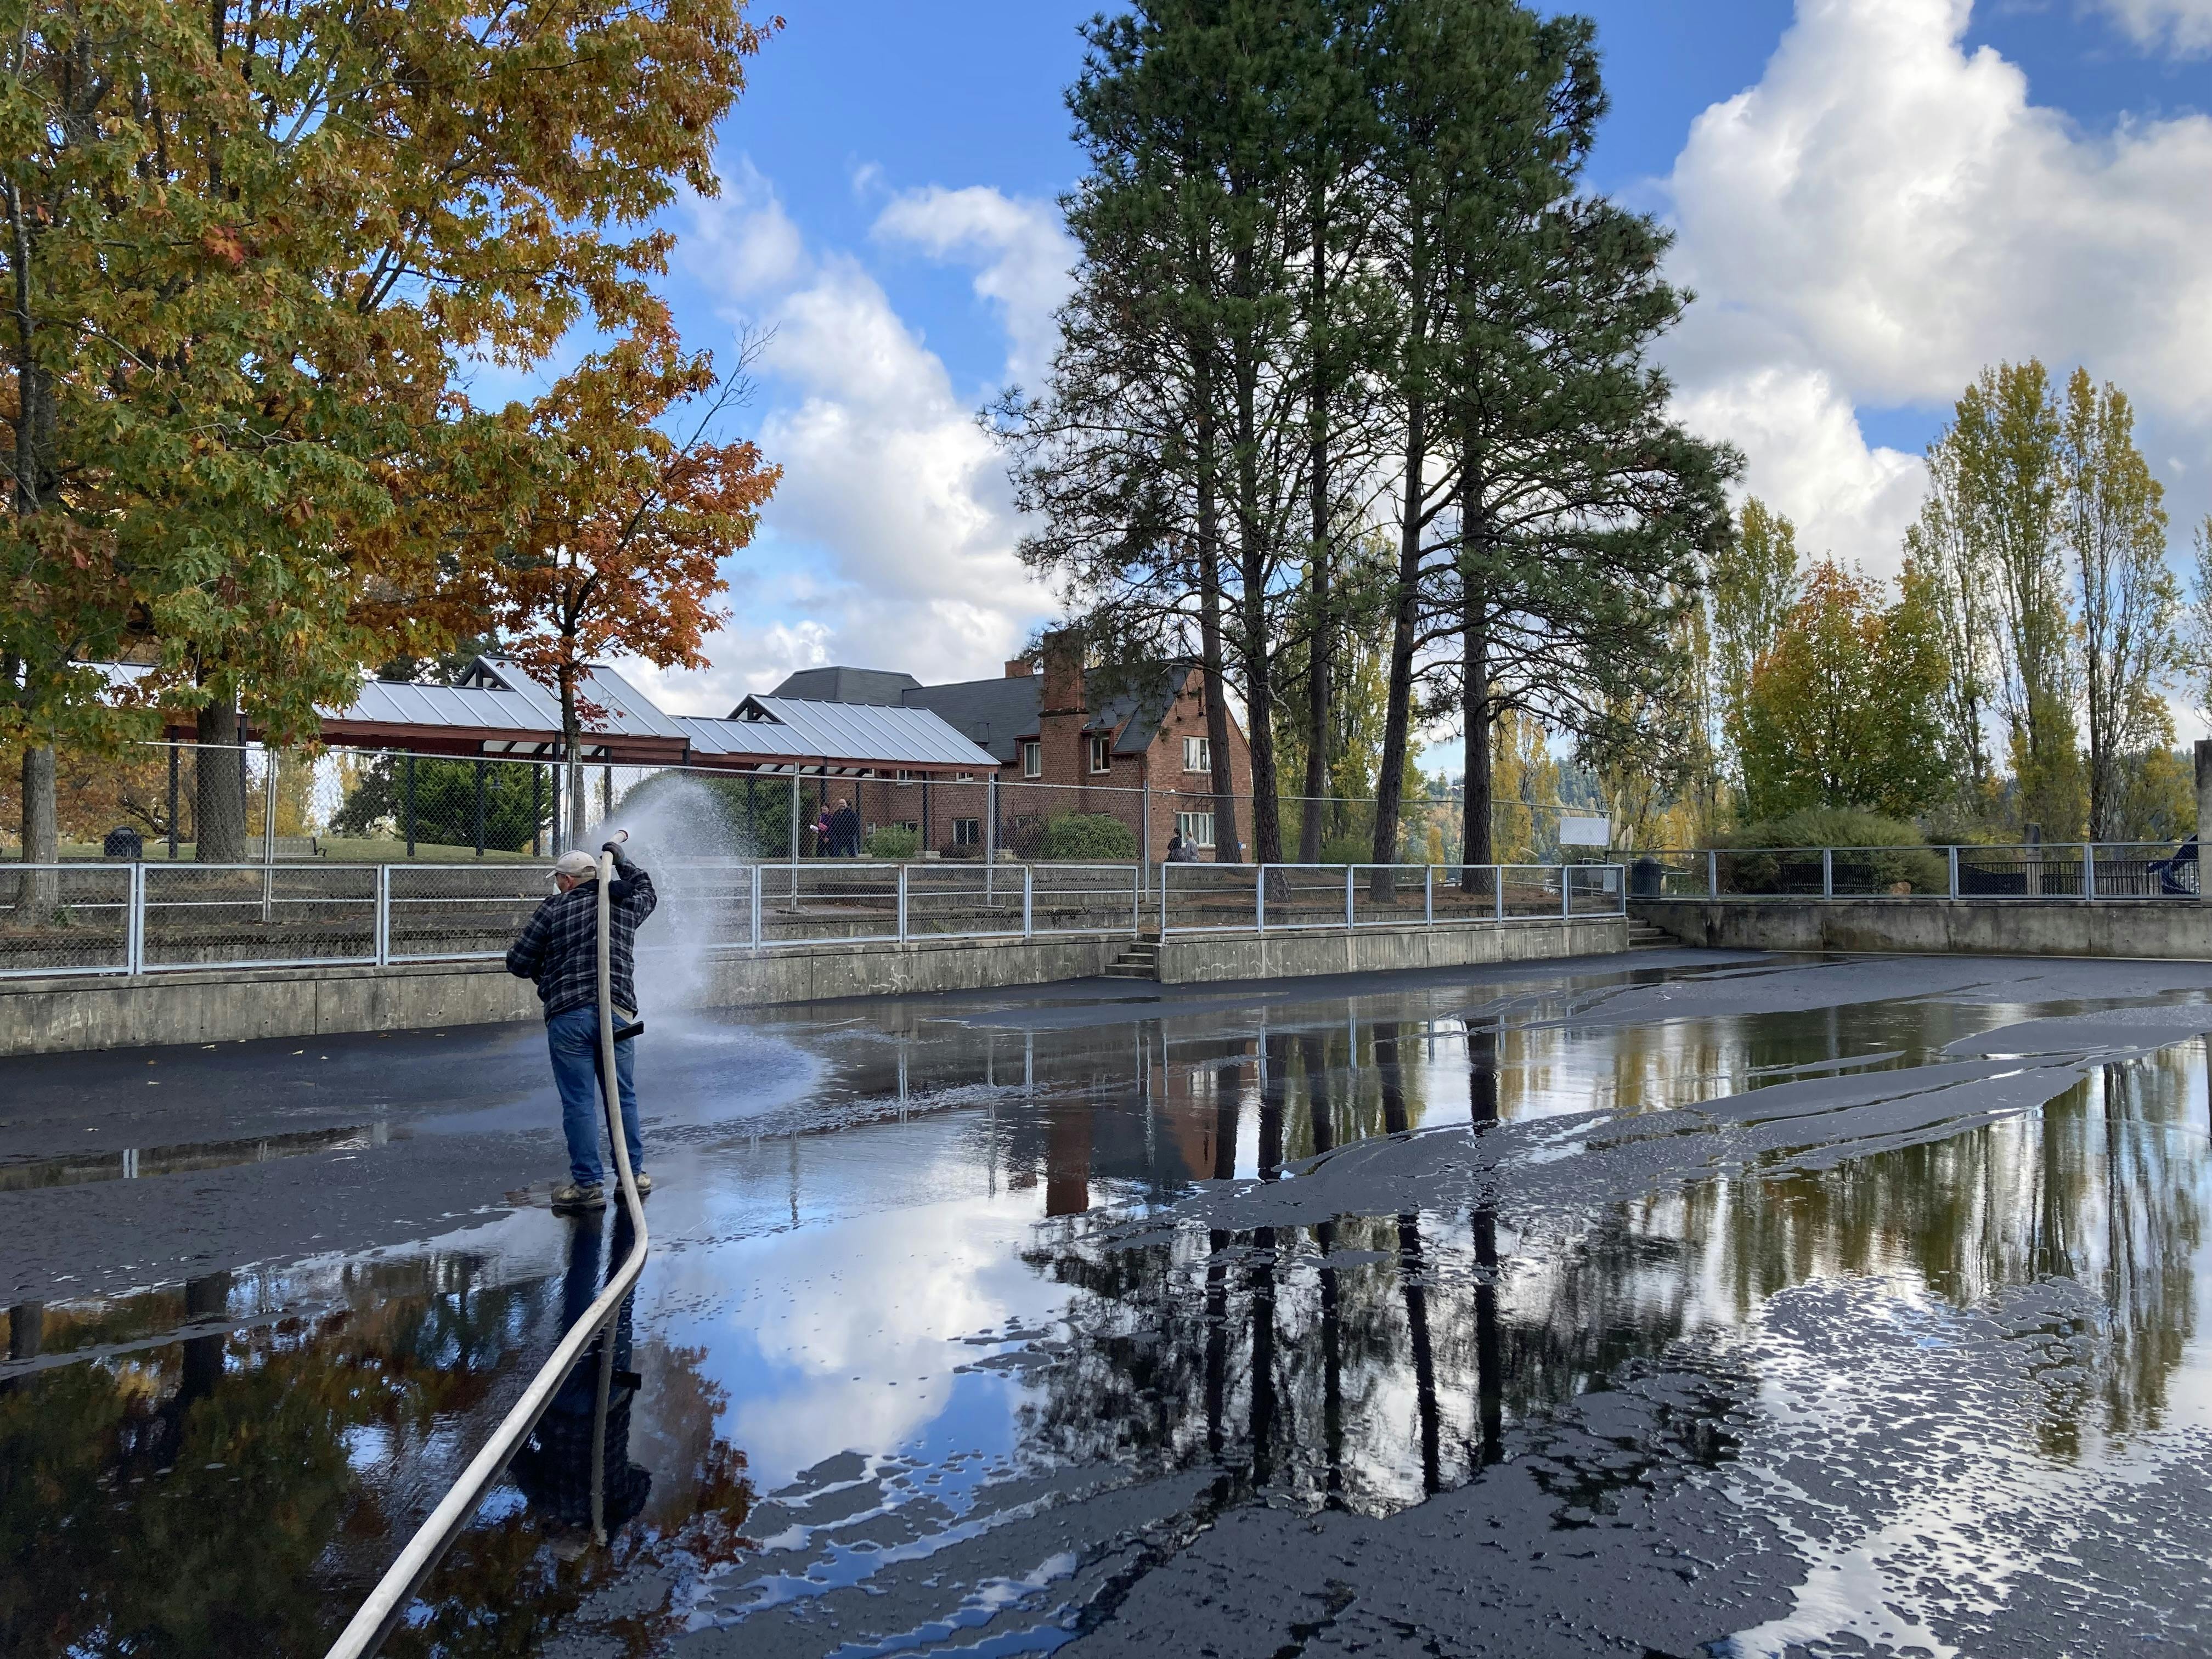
(1585, 831)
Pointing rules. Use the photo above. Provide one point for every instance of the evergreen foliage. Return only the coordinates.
(1074, 837)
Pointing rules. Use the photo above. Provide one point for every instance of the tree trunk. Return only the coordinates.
(1397, 721)
(1475, 845)
(219, 784)
(1321, 634)
(572, 740)
(35, 480)
(39, 897)
(1259, 646)
(1222, 781)
(1475, 711)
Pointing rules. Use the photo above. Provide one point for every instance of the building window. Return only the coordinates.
(1033, 759)
(963, 777)
(967, 832)
(1198, 757)
(1196, 829)
(1102, 752)
(906, 776)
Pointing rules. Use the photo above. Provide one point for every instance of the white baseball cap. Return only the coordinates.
(575, 863)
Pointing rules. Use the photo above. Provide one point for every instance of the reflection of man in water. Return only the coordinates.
(553, 1466)
(560, 949)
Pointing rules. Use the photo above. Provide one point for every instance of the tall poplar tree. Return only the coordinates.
(2113, 523)
(1944, 545)
(1754, 586)
(2006, 441)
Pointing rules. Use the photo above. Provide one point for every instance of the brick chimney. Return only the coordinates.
(1059, 707)
(1019, 668)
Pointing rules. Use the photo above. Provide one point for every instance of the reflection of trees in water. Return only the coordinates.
(1366, 1359)
(235, 1493)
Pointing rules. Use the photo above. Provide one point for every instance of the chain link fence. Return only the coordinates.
(185, 802)
(66, 919)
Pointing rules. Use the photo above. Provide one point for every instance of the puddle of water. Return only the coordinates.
(1018, 1311)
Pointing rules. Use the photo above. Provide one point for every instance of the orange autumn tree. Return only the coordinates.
(611, 539)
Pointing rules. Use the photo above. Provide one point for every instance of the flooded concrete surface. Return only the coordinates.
(1684, 1303)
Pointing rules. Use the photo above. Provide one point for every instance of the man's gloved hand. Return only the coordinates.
(621, 858)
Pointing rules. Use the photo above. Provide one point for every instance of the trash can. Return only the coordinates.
(124, 843)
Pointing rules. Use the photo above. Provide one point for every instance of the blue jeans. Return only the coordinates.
(573, 1040)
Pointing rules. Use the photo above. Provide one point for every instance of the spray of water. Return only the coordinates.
(680, 832)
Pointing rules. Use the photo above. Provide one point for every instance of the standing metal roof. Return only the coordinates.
(843, 733)
(624, 709)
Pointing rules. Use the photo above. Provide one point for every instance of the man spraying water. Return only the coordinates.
(559, 950)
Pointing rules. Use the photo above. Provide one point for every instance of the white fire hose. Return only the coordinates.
(381, 1611)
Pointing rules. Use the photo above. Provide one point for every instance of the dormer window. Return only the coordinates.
(1102, 752)
(1033, 759)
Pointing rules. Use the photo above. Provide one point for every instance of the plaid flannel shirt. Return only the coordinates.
(559, 946)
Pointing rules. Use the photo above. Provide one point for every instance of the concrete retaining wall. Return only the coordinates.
(2011, 927)
(60, 1015)
(1381, 950)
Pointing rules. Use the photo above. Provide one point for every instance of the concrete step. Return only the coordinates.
(1124, 971)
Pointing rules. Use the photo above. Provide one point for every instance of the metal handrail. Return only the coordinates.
(377, 1616)
(901, 894)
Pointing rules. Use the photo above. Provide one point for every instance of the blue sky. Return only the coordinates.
(1873, 198)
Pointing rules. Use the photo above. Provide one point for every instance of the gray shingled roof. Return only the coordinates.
(995, 714)
(878, 686)
(998, 714)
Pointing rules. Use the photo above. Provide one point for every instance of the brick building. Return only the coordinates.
(1065, 740)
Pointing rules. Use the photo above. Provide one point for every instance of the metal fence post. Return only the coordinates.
(1165, 868)
(759, 880)
(1712, 874)
(134, 947)
(1029, 900)
(1497, 888)
(384, 915)
(1954, 862)
(1566, 892)
(1259, 896)
(1827, 872)
(1350, 873)
(1428, 895)
(1136, 901)
(1145, 835)
(902, 903)
(2088, 872)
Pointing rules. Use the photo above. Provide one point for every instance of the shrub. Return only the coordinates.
(1898, 863)
(1347, 849)
(1827, 826)
(1080, 835)
(893, 841)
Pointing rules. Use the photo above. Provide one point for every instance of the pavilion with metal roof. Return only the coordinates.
(498, 710)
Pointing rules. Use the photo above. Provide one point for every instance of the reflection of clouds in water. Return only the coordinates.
(849, 1335)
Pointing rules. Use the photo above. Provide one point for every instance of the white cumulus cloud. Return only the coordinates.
(1885, 213)
(2182, 27)
(1024, 254)
(891, 541)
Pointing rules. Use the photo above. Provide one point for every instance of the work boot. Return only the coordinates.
(644, 1182)
(576, 1196)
